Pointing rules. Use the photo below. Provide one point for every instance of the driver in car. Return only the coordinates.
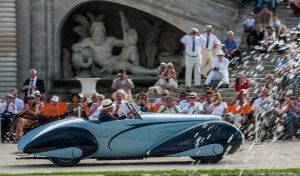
(106, 112)
(120, 108)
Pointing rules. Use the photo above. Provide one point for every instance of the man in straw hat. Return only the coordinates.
(106, 112)
(192, 57)
(208, 43)
(219, 69)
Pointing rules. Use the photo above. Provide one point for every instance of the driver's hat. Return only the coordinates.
(107, 103)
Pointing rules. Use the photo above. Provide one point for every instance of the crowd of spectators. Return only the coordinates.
(278, 95)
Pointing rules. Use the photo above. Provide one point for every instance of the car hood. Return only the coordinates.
(175, 117)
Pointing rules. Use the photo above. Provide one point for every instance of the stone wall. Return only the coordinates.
(8, 47)
(39, 25)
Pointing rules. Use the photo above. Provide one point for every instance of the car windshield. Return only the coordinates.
(133, 106)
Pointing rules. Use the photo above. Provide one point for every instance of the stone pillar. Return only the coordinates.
(39, 37)
(23, 40)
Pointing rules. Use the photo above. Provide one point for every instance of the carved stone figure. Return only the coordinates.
(151, 41)
(97, 49)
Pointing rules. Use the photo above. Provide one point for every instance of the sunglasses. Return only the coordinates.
(294, 98)
(164, 94)
(141, 98)
(192, 97)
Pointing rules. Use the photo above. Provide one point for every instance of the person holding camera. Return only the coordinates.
(123, 82)
(219, 69)
(170, 107)
(192, 44)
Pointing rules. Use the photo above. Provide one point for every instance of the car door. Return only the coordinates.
(124, 138)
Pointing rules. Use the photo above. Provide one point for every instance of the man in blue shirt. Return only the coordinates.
(231, 49)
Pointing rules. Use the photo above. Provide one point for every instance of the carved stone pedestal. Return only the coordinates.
(88, 86)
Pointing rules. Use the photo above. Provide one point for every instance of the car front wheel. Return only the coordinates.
(65, 162)
(208, 159)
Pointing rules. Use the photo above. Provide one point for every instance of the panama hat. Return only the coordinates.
(55, 98)
(37, 93)
(9, 96)
(193, 94)
(220, 52)
(107, 103)
(194, 30)
(208, 27)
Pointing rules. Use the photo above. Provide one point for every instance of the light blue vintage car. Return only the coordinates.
(66, 142)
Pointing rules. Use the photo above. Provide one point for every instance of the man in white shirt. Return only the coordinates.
(191, 42)
(17, 101)
(208, 42)
(219, 69)
(193, 106)
(262, 96)
(120, 108)
(7, 110)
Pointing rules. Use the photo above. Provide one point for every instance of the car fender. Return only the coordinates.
(214, 133)
(63, 141)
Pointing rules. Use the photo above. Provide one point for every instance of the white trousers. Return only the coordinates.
(217, 75)
(192, 63)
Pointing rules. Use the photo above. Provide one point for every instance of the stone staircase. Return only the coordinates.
(8, 46)
(256, 65)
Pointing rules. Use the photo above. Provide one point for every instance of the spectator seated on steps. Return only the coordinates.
(167, 80)
(231, 49)
(219, 70)
(275, 24)
(169, 107)
(270, 3)
(249, 23)
(160, 101)
(264, 17)
(142, 102)
(241, 82)
(255, 37)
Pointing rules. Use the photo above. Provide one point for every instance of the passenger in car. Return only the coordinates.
(106, 113)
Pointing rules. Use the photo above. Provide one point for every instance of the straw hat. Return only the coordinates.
(220, 53)
(107, 103)
(208, 27)
(55, 98)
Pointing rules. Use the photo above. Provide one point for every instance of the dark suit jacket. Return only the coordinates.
(39, 86)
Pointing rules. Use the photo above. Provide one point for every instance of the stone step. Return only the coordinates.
(8, 49)
(5, 89)
(7, 24)
(8, 35)
(7, 15)
(8, 59)
(8, 69)
(8, 64)
(8, 39)
(12, 19)
(8, 84)
(8, 79)
(8, 74)
(8, 4)
(12, 54)
(8, 44)
(7, 9)
(7, 29)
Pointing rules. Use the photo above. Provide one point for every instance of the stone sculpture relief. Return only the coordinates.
(92, 55)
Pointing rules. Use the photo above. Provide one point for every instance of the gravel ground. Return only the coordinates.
(277, 155)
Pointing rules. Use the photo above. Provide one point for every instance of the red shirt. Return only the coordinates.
(238, 87)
